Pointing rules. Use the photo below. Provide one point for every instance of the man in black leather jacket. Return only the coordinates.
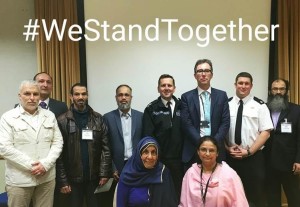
(85, 162)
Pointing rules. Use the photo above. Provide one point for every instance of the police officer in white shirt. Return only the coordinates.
(247, 134)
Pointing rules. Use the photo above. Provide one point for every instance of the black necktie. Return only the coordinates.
(43, 105)
(170, 109)
(238, 124)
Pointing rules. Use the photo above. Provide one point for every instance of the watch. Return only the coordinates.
(248, 151)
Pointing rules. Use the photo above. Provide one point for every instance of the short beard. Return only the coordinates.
(124, 106)
(277, 103)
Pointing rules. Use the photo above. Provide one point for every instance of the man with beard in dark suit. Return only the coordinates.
(124, 132)
(283, 148)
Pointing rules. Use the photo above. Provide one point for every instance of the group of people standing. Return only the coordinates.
(201, 150)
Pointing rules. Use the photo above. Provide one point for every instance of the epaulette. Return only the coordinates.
(153, 102)
(230, 99)
(258, 100)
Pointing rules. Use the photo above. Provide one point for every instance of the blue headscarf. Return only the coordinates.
(134, 172)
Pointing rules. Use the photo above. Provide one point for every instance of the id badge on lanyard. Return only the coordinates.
(286, 127)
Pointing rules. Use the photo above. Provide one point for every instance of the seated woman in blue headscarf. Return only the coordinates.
(144, 181)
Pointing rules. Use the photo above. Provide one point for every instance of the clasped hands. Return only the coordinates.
(237, 152)
(38, 168)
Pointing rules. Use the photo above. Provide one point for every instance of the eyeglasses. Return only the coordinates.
(210, 151)
(203, 71)
(278, 89)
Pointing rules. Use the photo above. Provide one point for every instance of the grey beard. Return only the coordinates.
(123, 106)
(277, 103)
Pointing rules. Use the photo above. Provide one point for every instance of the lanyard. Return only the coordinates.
(203, 194)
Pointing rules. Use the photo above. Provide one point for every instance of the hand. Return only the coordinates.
(116, 175)
(65, 189)
(103, 181)
(237, 152)
(296, 168)
(37, 168)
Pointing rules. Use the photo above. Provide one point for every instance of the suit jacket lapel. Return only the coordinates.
(197, 103)
(133, 122)
(118, 122)
(213, 101)
(281, 117)
(50, 102)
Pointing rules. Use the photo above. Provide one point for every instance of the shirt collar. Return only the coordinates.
(245, 99)
(46, 101)
(23, 112)
(165, 102)
(129, 112)
(200, 90)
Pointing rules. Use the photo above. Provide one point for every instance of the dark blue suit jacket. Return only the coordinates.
(115, 135)
(190, 117)
(57, 107)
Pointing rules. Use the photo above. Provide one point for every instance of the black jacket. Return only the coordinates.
(283, 149)
(69, 165)
(158, 124)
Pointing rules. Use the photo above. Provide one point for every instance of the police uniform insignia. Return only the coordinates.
(258, 100)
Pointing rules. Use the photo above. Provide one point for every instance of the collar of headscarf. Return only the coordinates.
(135, 174)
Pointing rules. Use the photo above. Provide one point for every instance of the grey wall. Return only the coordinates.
(140, 63)
(17, 57)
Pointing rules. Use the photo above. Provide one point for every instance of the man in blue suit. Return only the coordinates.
(124, 132)
(45, 83)
(197, 119)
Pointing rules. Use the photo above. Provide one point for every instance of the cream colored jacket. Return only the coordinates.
(21, 144)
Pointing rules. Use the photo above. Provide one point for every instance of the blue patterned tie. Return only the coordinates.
(43, 105)
(206, 106)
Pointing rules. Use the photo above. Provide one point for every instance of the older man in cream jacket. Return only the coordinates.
(30, 142)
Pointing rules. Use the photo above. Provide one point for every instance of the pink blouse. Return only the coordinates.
(225, 188)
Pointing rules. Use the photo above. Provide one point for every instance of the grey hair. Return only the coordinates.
(28, 83)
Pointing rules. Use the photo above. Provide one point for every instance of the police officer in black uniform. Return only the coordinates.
(161, 120)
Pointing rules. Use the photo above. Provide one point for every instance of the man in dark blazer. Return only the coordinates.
(45, 83)
(192, 113)
(124, 133)
(283, 147)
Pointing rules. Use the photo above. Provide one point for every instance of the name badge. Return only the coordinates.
(286, 127)
(204, 124)
(87, 134)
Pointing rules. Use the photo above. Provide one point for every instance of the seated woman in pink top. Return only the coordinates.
(209, 183)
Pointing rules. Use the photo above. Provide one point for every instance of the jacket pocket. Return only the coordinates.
(20, 134)
(47, 131)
